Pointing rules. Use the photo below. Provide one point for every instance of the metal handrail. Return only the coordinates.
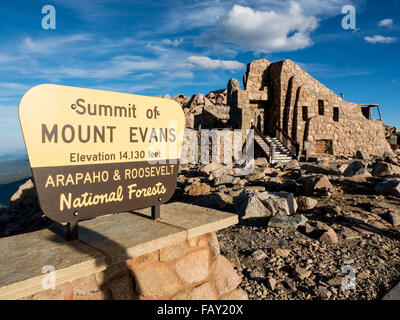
(270, 145)
(293, 142)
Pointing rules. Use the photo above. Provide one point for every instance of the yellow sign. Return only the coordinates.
(95, 152)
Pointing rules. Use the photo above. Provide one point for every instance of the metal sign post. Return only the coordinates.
(155, 212)
(72, 231)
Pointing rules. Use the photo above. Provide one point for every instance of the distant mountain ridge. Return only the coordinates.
(14, 171)
(20, 155)
(14, 167)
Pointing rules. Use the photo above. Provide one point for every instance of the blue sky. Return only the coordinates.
(171, 47)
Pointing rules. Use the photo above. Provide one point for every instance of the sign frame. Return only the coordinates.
(62, 114)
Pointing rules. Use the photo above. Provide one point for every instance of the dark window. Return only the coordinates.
(336, 114)
(324, 146)
(321, 108)
(305, 113)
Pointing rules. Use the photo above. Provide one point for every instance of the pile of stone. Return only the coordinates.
(393, 137)
(301, 223)
(24, 214)
(205, 111)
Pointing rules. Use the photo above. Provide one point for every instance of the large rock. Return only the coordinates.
(193, 267)
(224, 179)
(329, 236)
(288, 186)
(319, 184)
(301, 273)
(25, 195)
(356, 168)
(198, 189)
(222, 175)
(218, 111)
(226, 277)
(220, 171)
(292, 165)
(233, 85)
(218, 200)
(318, 168)
(394, 218)
(257, 174)
(287, 222)
(255, 204)
(197, 100)
(181, 99)
(261, 162)
(362, 155)
(209, 167)
(157, 281)
(306, 203)
(391, 188)
(382, 169)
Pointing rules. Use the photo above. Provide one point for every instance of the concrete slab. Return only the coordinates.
(393, 294)
(125, 235)
(24, 256)
(195, 219)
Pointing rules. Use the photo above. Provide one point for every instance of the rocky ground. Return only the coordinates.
(305, 228)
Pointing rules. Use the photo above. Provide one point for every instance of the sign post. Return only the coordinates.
(96, 152)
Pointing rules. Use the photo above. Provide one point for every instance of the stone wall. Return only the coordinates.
(286, 95)
(351, 133)
(189, 270)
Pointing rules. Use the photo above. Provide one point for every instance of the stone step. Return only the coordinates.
(281, 153)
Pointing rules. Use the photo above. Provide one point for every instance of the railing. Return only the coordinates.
(271, 147)
(292, 145)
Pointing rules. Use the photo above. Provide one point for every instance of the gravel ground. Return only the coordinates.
(278, 264)
(375, 260)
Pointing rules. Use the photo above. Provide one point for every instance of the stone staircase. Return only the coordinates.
(281, 153)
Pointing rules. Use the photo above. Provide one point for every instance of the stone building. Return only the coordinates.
(286, 103)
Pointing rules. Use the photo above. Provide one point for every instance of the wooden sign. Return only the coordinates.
(96, 152)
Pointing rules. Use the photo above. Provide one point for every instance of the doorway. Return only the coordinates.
(262, 117)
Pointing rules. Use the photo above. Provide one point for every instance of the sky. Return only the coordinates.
(170, 47)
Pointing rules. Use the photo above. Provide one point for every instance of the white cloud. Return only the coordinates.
(329, 71)
(268, 31)
(173, 43)
(386, 23)
(206, 63)
(48, 45)
(14, 86)
(121, 66)
(195, 14)
(380, 39)
(8, 89)
(4, 58)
